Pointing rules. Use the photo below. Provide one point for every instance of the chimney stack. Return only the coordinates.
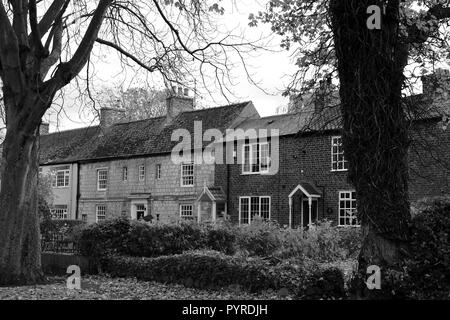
(44, 128)
(110, 116)
(179, 101)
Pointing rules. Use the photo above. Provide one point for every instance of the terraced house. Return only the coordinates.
(125, 168)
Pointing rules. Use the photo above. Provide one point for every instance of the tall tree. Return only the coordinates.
(138, 103)
(334, 40)
(45, 45)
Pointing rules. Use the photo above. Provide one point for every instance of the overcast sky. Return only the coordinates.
(269, 69)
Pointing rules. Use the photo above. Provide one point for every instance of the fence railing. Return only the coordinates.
(57, 243)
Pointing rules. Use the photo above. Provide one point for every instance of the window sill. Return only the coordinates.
(189, 186)
(348, 226)
(339, 170)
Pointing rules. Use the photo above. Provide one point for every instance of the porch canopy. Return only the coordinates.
(215, 196)
(310, 191)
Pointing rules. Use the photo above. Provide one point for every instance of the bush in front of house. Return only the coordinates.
(108, 236)
(260, 238)
(428, 268)
(141, 239)
(222, 238)
(327, 243)
(152, 240)
(215, 270)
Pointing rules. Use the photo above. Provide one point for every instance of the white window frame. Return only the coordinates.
(184, 216)
(182, 176)
(98, 179)
(66, 178)
(340, 208)
(63, 212)
(141, 172)
(97, 212)
(252, 146)
(124, 173)
(249, 199)
(337, 162)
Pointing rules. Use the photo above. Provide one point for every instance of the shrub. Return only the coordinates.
(214, 270)
(151, 240)
(428, 268)
(221, 238)
(199, 269)
(260, 238)
(327, 243)
(104, 237)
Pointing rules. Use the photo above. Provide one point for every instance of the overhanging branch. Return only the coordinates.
(127, 54)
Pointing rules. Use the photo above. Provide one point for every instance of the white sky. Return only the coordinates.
(269, 69)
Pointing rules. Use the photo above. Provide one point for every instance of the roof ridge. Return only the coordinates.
(141, 120)
(70, 130)
(219, 107)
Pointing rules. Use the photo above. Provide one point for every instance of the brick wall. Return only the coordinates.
(301, 159)
(308, 158)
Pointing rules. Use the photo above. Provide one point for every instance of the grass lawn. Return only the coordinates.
(106, 288)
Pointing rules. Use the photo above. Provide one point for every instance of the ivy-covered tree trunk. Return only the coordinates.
(20, 259)
(375, 132)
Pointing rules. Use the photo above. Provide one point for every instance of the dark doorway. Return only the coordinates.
(305, 212)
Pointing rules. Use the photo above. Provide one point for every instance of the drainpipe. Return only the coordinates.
(78, 192)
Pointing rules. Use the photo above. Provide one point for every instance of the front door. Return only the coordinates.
(141, 211)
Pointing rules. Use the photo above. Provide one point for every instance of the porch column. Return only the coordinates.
(214, 213)
(199, 205)
(290, 212)
(310, 209)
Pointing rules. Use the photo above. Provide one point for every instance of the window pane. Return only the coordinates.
(347, 209)
(100, 212)
(254, 207)
(264, 157)
(187, 211)
(187, 174)
(265, 208)
(255, 157)
(244, 209)
(246, 167)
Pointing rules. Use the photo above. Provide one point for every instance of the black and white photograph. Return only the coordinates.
(228, 158)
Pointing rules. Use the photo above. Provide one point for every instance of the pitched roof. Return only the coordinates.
(293, 123)
(420, 107)
(137, 138)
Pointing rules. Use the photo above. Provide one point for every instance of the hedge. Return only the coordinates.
(139, 239)
(214, 270)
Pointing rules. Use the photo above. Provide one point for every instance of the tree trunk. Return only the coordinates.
(375, 131)
(20, 254)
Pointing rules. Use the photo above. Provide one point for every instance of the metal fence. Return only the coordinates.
(58, 244)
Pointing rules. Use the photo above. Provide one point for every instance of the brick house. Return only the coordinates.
(311, 181)
(126, 168)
